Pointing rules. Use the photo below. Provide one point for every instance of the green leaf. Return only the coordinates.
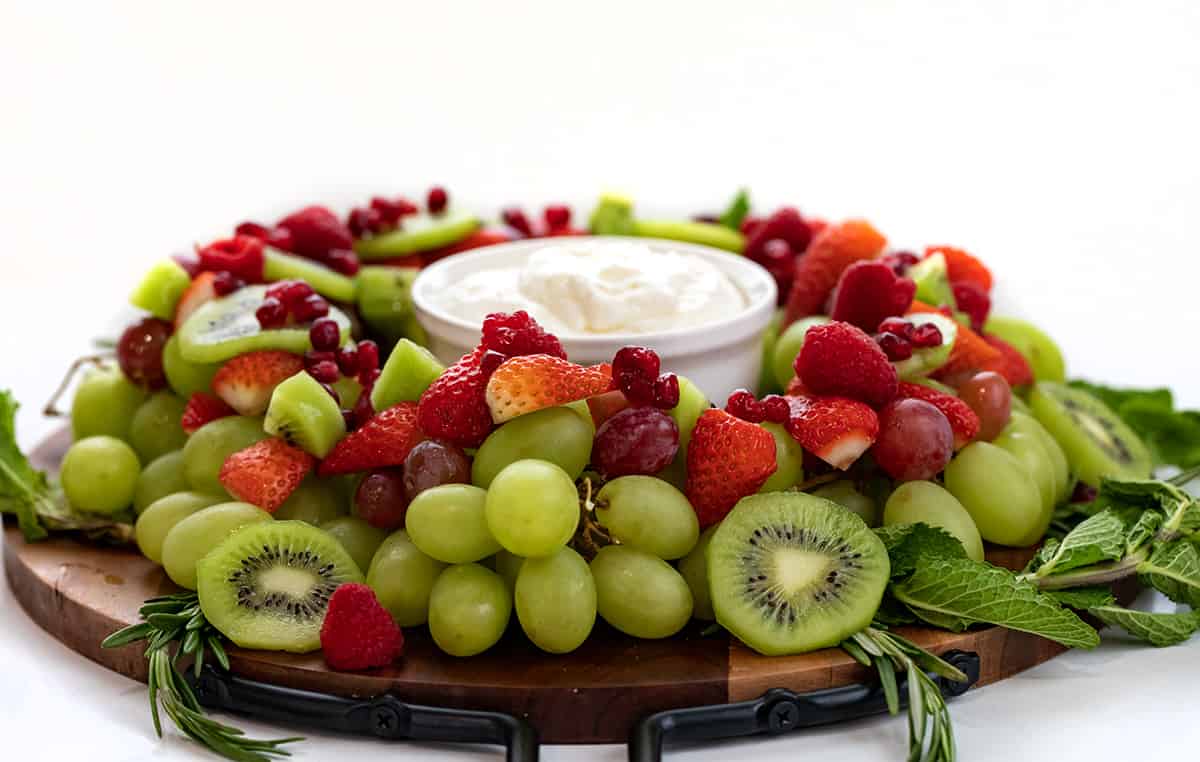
(1096, 539)
(961, 590)
(21, 486)
(1142, 530)
(907, 544)
(1159, 629)
(736, 212)
(1116, 398)
(1173, 569)
(1083, 598)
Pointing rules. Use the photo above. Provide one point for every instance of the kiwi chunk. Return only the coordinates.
(325, 281)
(160, 289)
(1096, 441)
(790, 573)
(227, 327)
(705, 233)
(267, 586)
(926, 360)
(933, 281)
(305, 415)
(419, 232)
(408, 372)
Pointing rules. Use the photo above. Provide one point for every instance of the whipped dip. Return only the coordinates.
(587, 287)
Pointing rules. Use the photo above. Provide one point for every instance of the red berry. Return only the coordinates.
(271, 313)
(363, 221)
(915, 440)
(310, 308)
(281, 238)
(926, 335)
(635, 370)
(895, 347)
(326, 372)
(241, 255)
(140, 351)
(437, 199)
(314, 356)
(363, 409)
(368, 355)
(557, 216)
(744, 405)
(776, 408)
(666, 391)
(225, 283)
(189, 262)
(358, 632)
(974, 301)
(868, 292)
(517, 334)
(898, 326)
(347, 360)
(315, 231)
(255, 229)
(380, 498)
(515, 218)
(393, 209)
(490, 361)
(900, 261)
(1084, 493)
(454, 407)
(640, 440)
(290, 292)
(367, 378)
(786, 224)
(325, 335)
(344, 261)
(841, 360)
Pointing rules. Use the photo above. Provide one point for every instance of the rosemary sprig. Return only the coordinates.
(177, 619)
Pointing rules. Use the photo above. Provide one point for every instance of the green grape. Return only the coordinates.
(161, 477)
(448, 523)
(184, 377)
(469, 607)
(100, 474)
(194, 536)
(162, 515)
(555, 599)
(315, 501)
(789, 460)
(675, 473)
(927, 502)
(360, 539)
(846, 495)
(1063, 484)
(532, 508)
(580, 408)
(787, 348)
(155, 428)
(694, 568)
(104, 404)
(649, 514)
(692, 403)
(507, 566)
(209, 446)
(640, 594)
(557, 435)
(1027, 448)
(402, 577)
(998, 493)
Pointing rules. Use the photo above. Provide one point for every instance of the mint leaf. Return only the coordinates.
(1173, 569)
(1142, 530)
(1132, 497)
(909, 543)
(1083, 598)
(21, 486)
(961, 591)
(1159, 629)
(1098, 538)
(736, 212)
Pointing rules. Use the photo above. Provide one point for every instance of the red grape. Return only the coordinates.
(990, 396)
(379, 499)
(639, 440)
(915, 440)
(432, 463)
(140, 351)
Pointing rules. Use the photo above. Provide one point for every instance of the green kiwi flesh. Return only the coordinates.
(420, 232)
(385, 298)
(267, 586)
(408, 372)
(160, 289)
(1097, 443)
(325, 281)
(933, 281)
(305, 415)
(928, 359)
(704, 233)
(790, 573)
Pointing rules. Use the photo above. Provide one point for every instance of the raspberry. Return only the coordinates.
(635, 370)
(363, 221)
(962, 267)
(776, 408)
(241, 256)
(786, 224)
(315, 231)
(437, 200)
(517, 334)
(870, 291)
(358, 632)
(974, 301)
(744, 405)
(833, 250)
(666, 391)
(841, 360)
(392, 210)
(557, 216)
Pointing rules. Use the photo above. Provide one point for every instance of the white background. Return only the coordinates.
(1056, 140)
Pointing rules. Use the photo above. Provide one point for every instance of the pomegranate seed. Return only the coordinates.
(189, 262)
(926, 335)
(392, 210)
(896, 348)
(367, 378)
(368, 355)
(666, 391)
(290, 292)
(900, 261)
(515, 218)
(776, 408)
(362, 221)
(490, 361)
(344, 261)
(253, 229)
(348, 419)
(325, 335)
(363, 410)
(281, 238)
(310, 308)
(271, 313)
(325, 371)
(901, 328)
(314, 357)
(225, 283)
(347, 360)
(437, 199)
(1084, 493)
(557, 216)
(743, 405)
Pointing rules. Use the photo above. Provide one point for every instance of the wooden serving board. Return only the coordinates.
(81, 593)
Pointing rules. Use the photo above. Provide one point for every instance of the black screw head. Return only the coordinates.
(385, 721)
(783, 716)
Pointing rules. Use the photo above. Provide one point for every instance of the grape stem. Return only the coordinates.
(51, 410)
(1098, 574)
(817, 481)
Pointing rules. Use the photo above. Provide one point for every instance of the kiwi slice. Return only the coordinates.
(613, 215)
(419, 232)
(1044, 357)
(1097, 443)
(385, 298)
(933, 281)
(160, 289)
(790, 573)
(408, 372)
(325, 281)
(305, 415)
(223, 328)
(267, 586)
(926, 360)
(688, 231)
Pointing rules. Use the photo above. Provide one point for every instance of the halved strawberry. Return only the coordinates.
(384, 440)
(832, 250)
(265, 473)
(836, 429)
(202, 408)
(963, 420)
(247, 381)
(200, 291)
(727, 459)
(532, 382)
(1011, 364)
(455, 407)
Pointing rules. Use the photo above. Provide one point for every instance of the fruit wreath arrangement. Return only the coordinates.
(274, 433)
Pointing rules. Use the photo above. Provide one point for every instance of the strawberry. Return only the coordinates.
(455, 407)
(315, 231)
(727, 459)
(870, 291)
(198, 292)
(266, 472)
(202, 408)
(835, 429)
(834, 249)
(963, 420)
(358, 632)
(961, 267)
(247, 381)
(384, 440)
(1011, 364)
(532, 382)
(974, 301)
(841, 360)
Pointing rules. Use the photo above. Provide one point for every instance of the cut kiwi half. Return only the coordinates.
(305, 415)
(324, 280)
(267, 586)
(790, 573)
(926, 360)
(417, 233)
(1096, 441)
(408, 372)
(385, 298)
(223, 328)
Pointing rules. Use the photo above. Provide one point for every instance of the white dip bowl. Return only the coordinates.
(718, 356)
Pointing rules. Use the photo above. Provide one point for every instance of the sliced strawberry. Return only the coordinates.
(963, 420)
(265, 473)
(836, 429)
(532, 382)
(832, 250)
(384, 440)
(841, 360)
(1011, 364)
(358, 632)
(727, 459)
(870, 291)
(605, 406)
(202, 408)
(455, 407)
(247, 381)
(200, 291)
(962, 267)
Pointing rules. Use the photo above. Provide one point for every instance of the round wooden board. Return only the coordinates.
(80, 593)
